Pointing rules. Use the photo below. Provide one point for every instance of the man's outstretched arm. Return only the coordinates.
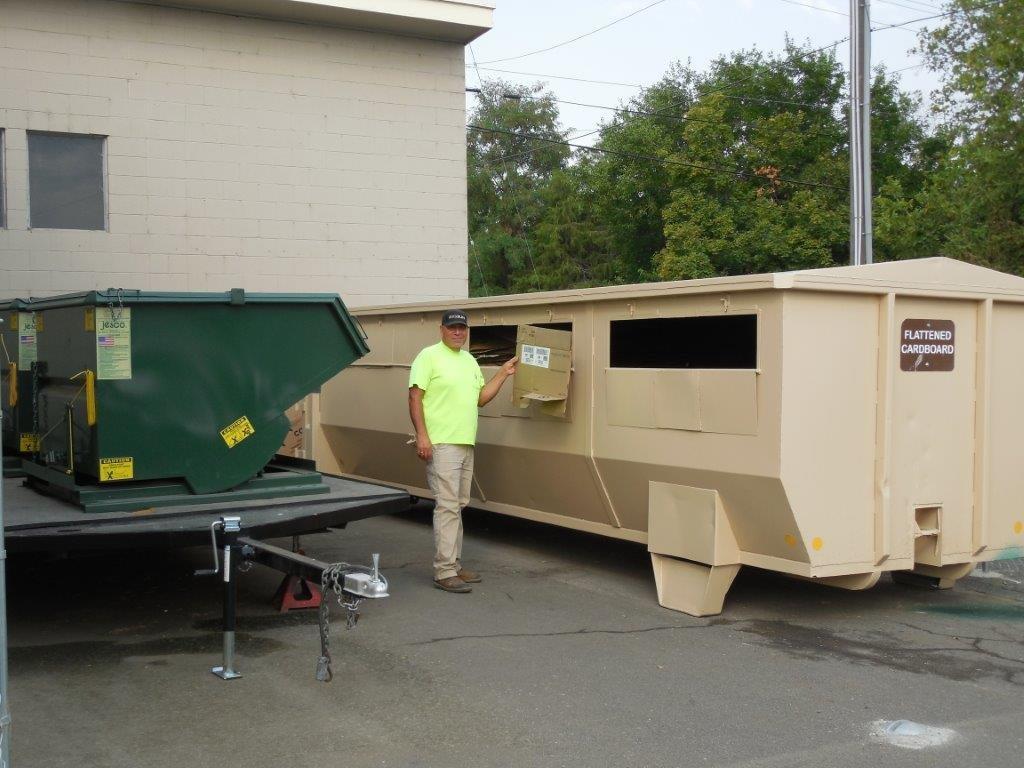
(492, 387)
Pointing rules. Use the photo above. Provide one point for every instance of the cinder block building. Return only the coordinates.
(274, 145)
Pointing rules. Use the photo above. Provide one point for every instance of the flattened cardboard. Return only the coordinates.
(543, 370)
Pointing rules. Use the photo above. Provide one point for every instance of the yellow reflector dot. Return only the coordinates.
(817, 543)
(1018, 527)
(790, 539)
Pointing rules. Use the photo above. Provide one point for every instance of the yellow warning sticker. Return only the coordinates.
(13, 325)
(117, 468)
(90, 319)
(237, 431)
(28, 442)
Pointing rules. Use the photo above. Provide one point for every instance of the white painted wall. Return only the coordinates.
(268, 155)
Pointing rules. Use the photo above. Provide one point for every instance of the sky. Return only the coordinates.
(639, 50)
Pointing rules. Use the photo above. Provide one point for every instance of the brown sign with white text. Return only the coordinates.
(927, 345)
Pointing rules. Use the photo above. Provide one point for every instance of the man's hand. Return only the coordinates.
(509, 368)
(424, 448)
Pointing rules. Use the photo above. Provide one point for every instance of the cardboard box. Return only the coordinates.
(298, 441)
(543, 370)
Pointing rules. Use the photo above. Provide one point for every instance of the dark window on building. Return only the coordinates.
(496, 344)
(722, 341)
(65, 181)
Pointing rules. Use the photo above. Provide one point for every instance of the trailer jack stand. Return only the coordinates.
(230, 528)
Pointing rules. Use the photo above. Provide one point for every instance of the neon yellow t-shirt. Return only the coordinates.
(451, 382)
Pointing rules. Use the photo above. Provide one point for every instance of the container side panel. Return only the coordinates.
(541, 478)
(828, 424)
(677, 403)
(1005, 533)
(728, 402)
(631, 397)
(933, 437)
(369, 453)
(648, 422)
(742, 497)
(412, 334)
(369, 398)
(380, 337)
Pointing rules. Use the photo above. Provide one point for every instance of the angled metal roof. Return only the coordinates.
(926, 277)
(460, 21)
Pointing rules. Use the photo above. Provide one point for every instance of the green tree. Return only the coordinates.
(973, 205)
(572, 240)
(512, 152)
(744, 168)
(630, 191)
(759, 183)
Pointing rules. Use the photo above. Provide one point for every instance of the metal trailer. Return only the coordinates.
(42, 525)
(829, 424)
(154, 420)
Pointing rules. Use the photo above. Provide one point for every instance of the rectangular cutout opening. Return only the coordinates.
(496, 344)
(927, 521)
(719, 341)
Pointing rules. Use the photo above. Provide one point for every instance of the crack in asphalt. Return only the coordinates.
(1012, 641)
(572, 633)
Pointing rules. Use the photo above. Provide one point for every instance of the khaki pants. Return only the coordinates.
(449, 474)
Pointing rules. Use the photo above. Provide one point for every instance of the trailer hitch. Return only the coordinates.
(350, 584)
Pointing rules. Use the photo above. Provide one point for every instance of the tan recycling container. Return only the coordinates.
(831, 424)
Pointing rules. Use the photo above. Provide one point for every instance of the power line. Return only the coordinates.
(821, 8)
(748, 78)
(578, 37)
(527, 152)
(558, 77)
(515, 202)
(935, 16)
(815, 7)
(660, 114)
(653, 158)
(918, 7)
(904, 69)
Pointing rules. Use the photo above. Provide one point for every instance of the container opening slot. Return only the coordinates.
(496, 344)
(926, 520)
(721, 341)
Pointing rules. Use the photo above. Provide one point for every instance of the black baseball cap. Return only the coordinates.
(454, 317)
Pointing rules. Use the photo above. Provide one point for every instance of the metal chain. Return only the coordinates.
(332, 580)
(115, 315)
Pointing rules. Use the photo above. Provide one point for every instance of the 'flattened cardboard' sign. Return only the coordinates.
(927, 345)
(543, 370)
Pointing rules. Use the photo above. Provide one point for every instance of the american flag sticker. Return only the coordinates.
(105, 341)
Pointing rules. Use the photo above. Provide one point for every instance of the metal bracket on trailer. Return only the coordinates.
(351, 585)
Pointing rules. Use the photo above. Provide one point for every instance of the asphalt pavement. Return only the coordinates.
(561, 657)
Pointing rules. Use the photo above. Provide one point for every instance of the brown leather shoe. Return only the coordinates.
(452, 584)
(469, 577)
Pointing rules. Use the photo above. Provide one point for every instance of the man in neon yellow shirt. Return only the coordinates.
(446, 388)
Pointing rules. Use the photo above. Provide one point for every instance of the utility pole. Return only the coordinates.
(860, 132)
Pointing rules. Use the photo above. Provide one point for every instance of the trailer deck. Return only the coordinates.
(34, 522)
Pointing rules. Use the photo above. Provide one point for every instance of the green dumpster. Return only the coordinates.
(148, 390)
(17, 353)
